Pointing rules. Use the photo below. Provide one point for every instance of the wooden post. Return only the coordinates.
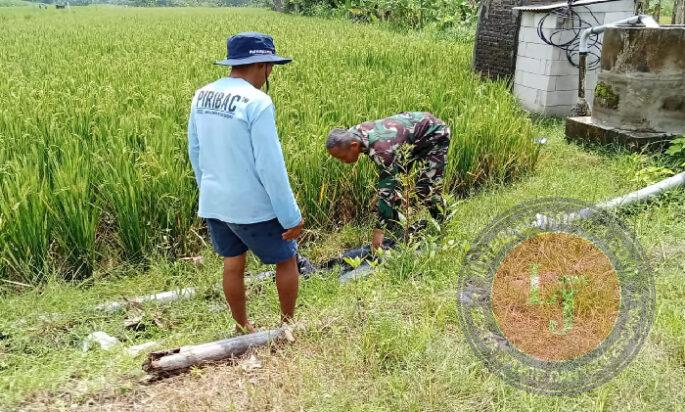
(175, 360)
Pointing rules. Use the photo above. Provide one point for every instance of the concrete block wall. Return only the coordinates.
(544, 80)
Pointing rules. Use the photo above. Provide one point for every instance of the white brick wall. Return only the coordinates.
(535, 98)
(537, 50)
(532, 65)
(545, 82)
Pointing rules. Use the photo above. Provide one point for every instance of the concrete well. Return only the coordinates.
(641, 86)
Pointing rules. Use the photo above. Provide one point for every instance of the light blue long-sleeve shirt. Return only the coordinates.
(236, 155)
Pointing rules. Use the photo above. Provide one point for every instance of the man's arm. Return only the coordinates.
(194, 148)
(271, 170)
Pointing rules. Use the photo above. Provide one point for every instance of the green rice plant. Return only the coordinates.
(174, 195)
(24, 222)
(123, 191)
(74, 210)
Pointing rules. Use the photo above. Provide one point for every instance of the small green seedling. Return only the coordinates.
(354, 262)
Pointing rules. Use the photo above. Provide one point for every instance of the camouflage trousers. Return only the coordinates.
(428, 184)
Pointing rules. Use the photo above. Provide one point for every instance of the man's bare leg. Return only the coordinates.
(287, 279)
(234, 290)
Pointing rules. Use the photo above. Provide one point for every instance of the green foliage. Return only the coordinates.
(142, 3)
(74, 208)
(412, 14)
(654, 168)
(676, 151)
(652, 174)
(354, 262)
(14, 3)
(390, 341)
(25, 223)
(95, 104)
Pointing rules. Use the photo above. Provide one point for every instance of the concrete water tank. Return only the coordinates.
(641, 85)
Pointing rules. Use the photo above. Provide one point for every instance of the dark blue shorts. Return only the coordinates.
(263, 239)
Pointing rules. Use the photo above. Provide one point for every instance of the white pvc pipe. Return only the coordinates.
(648, 21)
(162, 297)
(542, 221)
(645, 193)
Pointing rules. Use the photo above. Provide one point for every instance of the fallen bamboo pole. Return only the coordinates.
(174, 360)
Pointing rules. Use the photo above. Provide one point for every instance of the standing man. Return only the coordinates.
(245, 195)
(428, 140)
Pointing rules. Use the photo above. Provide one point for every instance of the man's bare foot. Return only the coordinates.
(245, 329)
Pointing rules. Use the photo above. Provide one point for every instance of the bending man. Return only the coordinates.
(427, 138)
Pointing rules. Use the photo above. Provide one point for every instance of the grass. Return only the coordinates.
(96, 107)
(388, 342)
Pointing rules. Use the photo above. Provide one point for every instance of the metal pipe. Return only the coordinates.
(582, 108)
(581, 74)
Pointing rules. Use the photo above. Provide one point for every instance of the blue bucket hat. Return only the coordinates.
(249, 48)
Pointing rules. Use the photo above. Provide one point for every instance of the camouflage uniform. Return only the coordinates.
(429, 139)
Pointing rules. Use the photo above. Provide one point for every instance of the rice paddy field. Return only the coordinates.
(97, 201)
(95, 103)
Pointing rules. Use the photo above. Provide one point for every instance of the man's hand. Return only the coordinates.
(294, 232)
(377, 240)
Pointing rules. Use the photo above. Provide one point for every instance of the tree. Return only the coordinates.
(678, 12)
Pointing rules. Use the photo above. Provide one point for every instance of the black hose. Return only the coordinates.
(578, 25)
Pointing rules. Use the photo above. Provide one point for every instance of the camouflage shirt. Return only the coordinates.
(382, 141)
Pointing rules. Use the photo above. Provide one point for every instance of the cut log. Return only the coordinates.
(162, 297)
(175, 360)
